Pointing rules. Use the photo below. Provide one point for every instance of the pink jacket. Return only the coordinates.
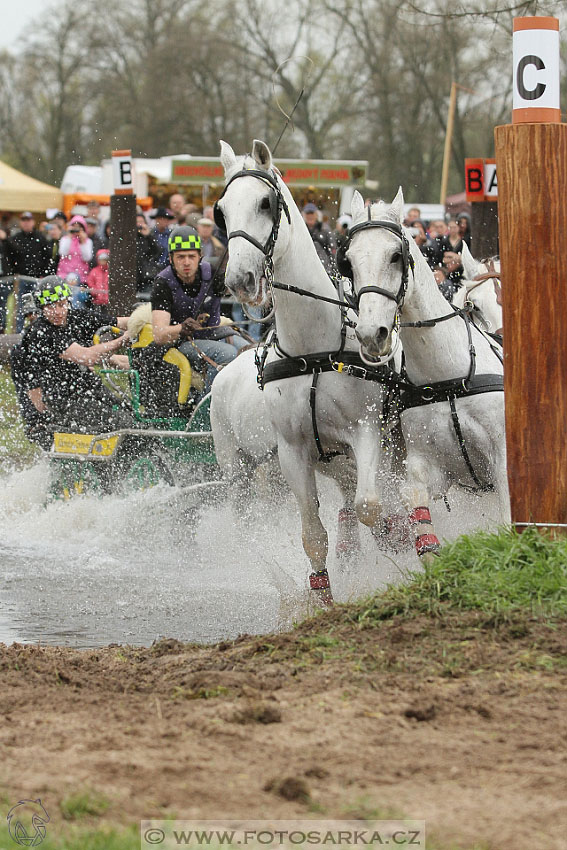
(75, 257)
(97, 281)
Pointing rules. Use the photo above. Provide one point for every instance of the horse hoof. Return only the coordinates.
(394, 533)
(322, 598)
(346, 548)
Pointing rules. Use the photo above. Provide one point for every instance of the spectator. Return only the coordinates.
(322, 238)
(97, 280)
(148, 253)
(106, 234)
(5, 285)
(446, 286)
(61, 219)
(210, 245)
(438, 228)
(163, 218)
(53, 235)
(75, 250)
(464, 222)
(344, 223)
(94, 235)
(431, 250)
(177, 205)
(219, 234)
(452, 241)
(93, 211)
(452, 245)
(80, 298)
(27, 255)
(412, 214)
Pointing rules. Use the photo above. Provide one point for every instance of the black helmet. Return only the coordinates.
(50, 290)
(183, 238)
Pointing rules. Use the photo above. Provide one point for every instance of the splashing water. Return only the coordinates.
(93, 571)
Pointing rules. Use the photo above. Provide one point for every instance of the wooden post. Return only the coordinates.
(532, 199)
(484, 229)
(531, 161)
(448, 142)
(122, 265)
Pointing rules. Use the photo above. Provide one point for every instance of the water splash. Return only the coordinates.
(93, 571)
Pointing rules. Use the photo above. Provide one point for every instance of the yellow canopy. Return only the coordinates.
(18, 192)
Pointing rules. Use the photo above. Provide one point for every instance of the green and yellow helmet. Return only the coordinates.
(183, 238)
(50, 290)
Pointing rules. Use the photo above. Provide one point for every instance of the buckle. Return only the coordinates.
(425, 394)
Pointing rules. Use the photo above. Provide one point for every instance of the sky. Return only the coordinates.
(15, 18)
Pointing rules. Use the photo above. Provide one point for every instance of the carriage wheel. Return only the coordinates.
(72, 478)
(142, 473)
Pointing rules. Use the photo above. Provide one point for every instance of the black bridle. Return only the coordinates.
(406, 258)
(277, 206)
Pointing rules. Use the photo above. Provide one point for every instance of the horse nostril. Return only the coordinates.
(382, 335)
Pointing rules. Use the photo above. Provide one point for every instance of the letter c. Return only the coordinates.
(529, 94)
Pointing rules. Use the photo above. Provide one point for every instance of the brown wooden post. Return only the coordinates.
(484, 229)
(532, 198)
(122, 265)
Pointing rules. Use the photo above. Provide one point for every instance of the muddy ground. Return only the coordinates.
(454, 721)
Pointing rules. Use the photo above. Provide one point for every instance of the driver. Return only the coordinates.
(186, 307)
(59, 358)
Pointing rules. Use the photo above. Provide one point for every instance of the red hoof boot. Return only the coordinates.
(348, 541)
(321, 587)
(395, 533)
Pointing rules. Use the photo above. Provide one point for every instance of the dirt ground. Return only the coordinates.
(451, 721)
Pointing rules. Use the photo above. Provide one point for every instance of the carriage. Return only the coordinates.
(170, 441)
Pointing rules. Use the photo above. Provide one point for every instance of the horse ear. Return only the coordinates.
(398, 205)
(468, 262)
(356, 205)
(262, 155)
(227, 155)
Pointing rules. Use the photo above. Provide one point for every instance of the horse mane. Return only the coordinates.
(382, 211)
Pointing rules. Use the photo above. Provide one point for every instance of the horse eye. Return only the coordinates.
(265, 204)
(395, 257)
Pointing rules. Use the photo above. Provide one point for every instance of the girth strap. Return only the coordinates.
(461, 440)
(347, 362)
(324, 457)
(413, 396)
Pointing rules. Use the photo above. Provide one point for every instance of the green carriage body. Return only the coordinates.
(177, 449)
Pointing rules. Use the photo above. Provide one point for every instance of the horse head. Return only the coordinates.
(380, 256)
(253, 210)
(482, 290)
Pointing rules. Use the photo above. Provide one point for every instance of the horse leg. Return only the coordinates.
(299, 473)
(366, 501)
(348, 537)
(415, 494)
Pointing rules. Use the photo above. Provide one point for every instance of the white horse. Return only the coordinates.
(481, 288)
(457, 440)
(315, 412)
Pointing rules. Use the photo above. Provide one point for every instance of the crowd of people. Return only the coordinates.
(62, 266)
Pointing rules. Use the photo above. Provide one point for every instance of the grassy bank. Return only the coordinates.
(15, 449)
(497, 574)
(454, 664)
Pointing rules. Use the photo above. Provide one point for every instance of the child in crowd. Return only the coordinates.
(97, 281)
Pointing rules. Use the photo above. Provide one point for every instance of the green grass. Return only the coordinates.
(83, 804)
(498, 574)
(79, 838)
(15, 449)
